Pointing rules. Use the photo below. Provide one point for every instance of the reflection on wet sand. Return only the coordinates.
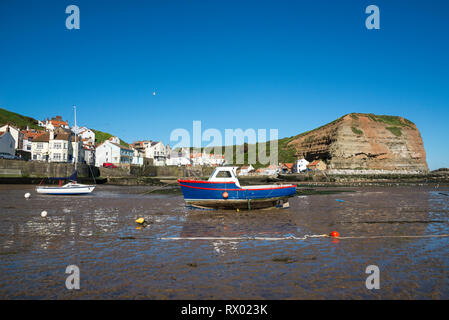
(120, 259)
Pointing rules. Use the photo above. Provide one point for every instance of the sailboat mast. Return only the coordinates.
(76, 145)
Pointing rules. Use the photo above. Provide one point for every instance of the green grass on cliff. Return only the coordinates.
(17, 120)
(391, 120)
(357, 131)
(395, 130)
(286, 154)
(101, 136)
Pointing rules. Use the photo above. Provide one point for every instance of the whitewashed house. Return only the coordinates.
(206, 159)
(39, 147)
(245, 170)
(52, 146)
(112, 152)
(114, 140)
(89, 154)
(300, 165)
(272, 170)
(137, 157)
(28, 136)
(87, 135)
(156, 151)
(181, 158)
(60, 148)
(7, 143)
(85, 146)
(215, 159)
(16, 134)
(27, 142)
(167, 150)
(53, 123)
(78, 150)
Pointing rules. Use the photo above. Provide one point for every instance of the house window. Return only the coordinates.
(39, 146)
(56, 156)
(57, 145)
(34, 157)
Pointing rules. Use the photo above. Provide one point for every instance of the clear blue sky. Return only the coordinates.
(291, 65)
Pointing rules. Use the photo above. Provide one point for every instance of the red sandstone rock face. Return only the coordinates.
(365, 141)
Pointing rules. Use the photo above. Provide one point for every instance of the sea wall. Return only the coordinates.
(18, 168)
(351, 177)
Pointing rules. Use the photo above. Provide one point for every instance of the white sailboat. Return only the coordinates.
(71, 188)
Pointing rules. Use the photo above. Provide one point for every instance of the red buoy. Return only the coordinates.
(335, 234)
(225, 195)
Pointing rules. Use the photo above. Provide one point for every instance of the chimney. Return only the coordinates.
(52, 135)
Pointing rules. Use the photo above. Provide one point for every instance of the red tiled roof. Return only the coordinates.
(43, 137)
(63, 136)
(31, 134)
(58, 123)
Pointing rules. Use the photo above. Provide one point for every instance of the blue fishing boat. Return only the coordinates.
(223, 191)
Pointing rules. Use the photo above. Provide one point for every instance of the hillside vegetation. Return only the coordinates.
(101, 136)
(17, 120)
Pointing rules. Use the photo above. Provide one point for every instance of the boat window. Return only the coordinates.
(224, 174)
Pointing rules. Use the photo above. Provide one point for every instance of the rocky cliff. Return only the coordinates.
(364, 141)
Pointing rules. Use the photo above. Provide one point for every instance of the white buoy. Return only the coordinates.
(27, 195)
(43, 214)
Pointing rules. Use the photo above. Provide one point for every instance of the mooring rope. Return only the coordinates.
(411, 236)
(299, 238)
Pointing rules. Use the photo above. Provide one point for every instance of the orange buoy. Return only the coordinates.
(225, 195)
(335, 234)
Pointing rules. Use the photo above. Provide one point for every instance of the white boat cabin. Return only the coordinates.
(225, 174)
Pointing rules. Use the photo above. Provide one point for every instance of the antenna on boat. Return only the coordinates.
(77, 151)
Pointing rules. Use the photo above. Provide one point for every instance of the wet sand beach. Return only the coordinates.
(120, 260)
